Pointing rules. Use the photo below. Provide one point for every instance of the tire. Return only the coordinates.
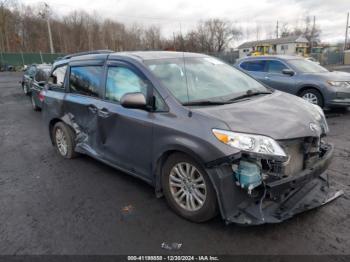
(200, 213)
(34, 106)
(25, 89)
(313, 95)
(69, 138)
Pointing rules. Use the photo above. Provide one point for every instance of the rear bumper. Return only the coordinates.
(280, 200)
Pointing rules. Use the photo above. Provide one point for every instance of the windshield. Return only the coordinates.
(305, 66)
(204, 79)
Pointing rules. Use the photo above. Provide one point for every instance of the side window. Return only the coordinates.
(86, 80)
(276, 67)
(255, 66)
(57, 76)
(122, 80)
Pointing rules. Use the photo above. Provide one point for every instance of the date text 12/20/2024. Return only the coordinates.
(173, 258)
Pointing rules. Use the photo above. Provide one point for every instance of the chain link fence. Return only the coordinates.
(329, 57)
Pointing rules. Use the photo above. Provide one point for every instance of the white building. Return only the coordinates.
(291, 45)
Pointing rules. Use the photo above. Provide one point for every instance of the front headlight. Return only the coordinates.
(339, 83)
(321, 118)
(250, 143)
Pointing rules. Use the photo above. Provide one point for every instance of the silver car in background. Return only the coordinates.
(301, 77)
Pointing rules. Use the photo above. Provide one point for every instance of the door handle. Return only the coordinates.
(93, 109)
(104, 112)
(267, 78)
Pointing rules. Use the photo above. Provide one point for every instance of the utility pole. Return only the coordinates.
(313, 34)
(46, 15)
(346, 32)
(277, 29)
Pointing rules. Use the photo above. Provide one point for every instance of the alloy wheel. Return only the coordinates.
(311, 98)
(61, 142)
(187, 186)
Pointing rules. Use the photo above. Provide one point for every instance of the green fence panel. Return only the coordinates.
(20, 59)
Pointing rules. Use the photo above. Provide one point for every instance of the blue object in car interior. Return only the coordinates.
(248, 175)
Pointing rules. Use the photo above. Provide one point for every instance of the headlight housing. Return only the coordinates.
(250, 143)
(321, 118)
(345, 84)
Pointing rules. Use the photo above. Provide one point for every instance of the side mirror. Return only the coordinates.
(289, 72)
(133, 100)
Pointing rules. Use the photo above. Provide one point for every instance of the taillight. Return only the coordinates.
(41, 95)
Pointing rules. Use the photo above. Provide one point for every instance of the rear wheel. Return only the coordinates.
(188, 189)
(313, 96)
(64, 140)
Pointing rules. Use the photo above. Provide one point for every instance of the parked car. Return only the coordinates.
(27, 78)
(42, 73)
(312, 60)
(298, 76)
(207, 136)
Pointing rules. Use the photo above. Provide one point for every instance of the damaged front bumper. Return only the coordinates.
(278, 200)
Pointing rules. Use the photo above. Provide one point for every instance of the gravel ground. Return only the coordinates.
(49, 205)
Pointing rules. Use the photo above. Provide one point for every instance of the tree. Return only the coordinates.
(24, 29)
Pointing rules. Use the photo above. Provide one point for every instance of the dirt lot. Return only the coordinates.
(49, 205)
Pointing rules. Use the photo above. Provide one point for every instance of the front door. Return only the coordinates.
(125, 135)
(277, 80)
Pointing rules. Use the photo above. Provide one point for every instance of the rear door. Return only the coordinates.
(125, 135)
(255, 68)
(276, 79)
(85, 89)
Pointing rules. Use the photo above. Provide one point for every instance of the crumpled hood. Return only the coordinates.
(279, 115)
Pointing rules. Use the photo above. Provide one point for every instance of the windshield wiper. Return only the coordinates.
(204, 103)
(249, 93)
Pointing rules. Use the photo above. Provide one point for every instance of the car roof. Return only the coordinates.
(154, 55)
(137, 55)
(264, 57)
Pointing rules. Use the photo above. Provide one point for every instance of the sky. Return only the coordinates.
(256, 18)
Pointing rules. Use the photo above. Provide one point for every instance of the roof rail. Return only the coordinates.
(88, 53)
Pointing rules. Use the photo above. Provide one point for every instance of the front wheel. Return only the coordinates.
(313, 96)
(188, 189)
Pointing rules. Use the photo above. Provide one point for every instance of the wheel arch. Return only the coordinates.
(52, 123)
(159, 162)
(306, 87)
